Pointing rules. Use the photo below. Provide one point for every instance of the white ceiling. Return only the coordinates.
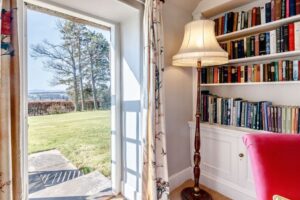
(114, 10)
(187, 5)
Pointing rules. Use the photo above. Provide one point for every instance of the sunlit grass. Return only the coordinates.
(82, 137)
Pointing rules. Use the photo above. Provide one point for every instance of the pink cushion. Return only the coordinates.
(275, 164)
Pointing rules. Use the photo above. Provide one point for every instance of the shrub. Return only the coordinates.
(56, 109)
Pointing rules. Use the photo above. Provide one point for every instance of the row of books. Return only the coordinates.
(283, 70)
(255, 115)
(272, 11)
(283, 39)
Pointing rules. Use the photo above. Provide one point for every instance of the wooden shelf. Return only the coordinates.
(257, 29)
(291, 55)
(250, 83)
(233, 128)
(221, 7)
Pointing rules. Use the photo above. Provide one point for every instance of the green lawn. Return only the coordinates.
(82, 137)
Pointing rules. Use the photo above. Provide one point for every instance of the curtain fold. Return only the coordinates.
(155, 168)
(10, 151)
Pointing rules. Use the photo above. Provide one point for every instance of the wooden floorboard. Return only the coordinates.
(175, 194)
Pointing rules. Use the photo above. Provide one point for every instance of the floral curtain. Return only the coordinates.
(155, 169)
(10, 165)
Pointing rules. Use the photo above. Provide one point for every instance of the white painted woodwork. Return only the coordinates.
(222, 168)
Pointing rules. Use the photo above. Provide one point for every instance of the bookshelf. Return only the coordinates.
(290, 55)
(280, 93)
(257, 29)
(250, 84)
(233, 128)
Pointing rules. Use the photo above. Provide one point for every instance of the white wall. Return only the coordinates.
(178, 89)
(131, 65)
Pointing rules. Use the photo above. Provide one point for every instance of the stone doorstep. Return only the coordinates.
(51, 160)
(91, 184)
(52, 175)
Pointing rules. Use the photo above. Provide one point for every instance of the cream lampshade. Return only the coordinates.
(199, 48)
(200, 44)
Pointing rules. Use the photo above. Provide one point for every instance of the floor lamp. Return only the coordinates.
(199, 48)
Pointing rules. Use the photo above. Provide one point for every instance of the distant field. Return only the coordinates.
(82, 137)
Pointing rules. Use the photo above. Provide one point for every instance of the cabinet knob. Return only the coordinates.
(241, 155)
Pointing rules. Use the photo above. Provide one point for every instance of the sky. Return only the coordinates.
(42, 27)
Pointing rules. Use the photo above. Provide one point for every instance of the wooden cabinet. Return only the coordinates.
(225, 166)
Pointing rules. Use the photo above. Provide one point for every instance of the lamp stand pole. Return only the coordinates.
(195, 193)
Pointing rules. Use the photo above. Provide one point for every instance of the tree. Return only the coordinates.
(80, 61)
(97, 49)
(61, 61)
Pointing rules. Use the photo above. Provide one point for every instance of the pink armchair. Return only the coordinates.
(275, 163)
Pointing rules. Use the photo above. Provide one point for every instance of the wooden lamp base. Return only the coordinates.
(189, 194)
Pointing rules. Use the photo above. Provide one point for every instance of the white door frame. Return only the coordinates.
(115, 88)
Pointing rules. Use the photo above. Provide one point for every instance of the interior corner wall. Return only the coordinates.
(178, 90)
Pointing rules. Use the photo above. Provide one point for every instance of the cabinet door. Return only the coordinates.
(245, 177)
(217, 152)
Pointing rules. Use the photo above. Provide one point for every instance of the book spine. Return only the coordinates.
(262, 44)
(280, 75)
(235, 21)
(257, 73)
(249, 73)
(279, 119)
(276, 78)
(283, 121)
(222, 25)
(261, 70)
(277, 9)
(278, 36)
(242, 20)
(268, 51)
(239, 74)
(239, 22)
(297, 7)
(249, 18)
(272, 119)
(258, 16)
(295, 70)
(290, 70)
(297, 35)
(268, 11)
(284, 70)
(291, 37)
(275, 119)
(283, 9)
(273, 42)
(285, 38)
(273, 10)
(292, 120)
(226, 23)
(282, 36)
(256, 45)
(272, 72)
(288, 120)
(292, 7)
(287, 12)
(269, 121)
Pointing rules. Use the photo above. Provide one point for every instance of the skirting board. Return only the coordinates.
(224, 187)
(179, 178)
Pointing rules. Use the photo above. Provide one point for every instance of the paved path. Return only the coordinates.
(53, 177)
